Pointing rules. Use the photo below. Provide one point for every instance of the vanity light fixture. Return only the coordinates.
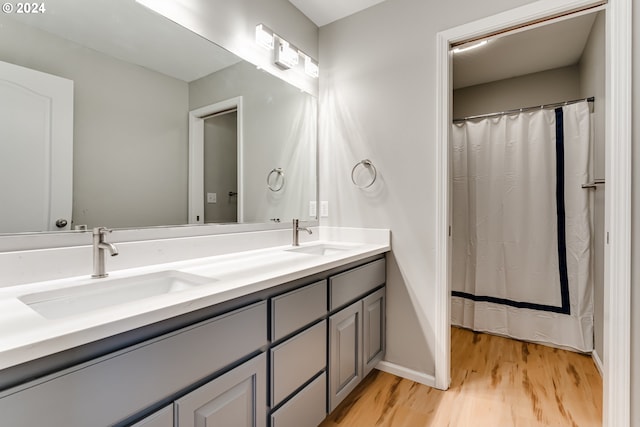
(311, 67)
(264, 37)
(470, 47)
(286, 56)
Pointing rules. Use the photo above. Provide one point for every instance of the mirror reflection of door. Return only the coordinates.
(221, 168)
(36, 145)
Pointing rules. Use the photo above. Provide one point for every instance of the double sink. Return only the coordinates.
(103, 293)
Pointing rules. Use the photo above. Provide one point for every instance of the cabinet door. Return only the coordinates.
(373, 330)
(345, 354)
(235, 399)
(162, 418)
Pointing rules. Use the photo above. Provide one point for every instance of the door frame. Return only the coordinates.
(617, 322)
(196, 156)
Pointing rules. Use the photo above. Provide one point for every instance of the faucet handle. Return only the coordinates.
(101, 231)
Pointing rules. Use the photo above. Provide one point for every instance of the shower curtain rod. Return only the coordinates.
(521, 110)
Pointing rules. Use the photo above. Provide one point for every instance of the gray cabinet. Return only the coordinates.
(237, 398)
(297, 360)
(298, 392)
(265, 363)
(136, 377)
(353, 284)
(306, 409)
(345, 343)
(162, 418)
(357, 331)
(373, 330)
(296, 309)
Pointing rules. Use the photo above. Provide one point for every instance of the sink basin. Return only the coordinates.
(321, 250)
(103, 293)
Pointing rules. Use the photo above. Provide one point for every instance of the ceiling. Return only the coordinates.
(126, 30)
(544, 48)
(114, 27)
(323, 12)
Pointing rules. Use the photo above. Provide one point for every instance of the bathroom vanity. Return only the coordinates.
(281, 347)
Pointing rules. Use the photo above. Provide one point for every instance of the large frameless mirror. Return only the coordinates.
(114, 116)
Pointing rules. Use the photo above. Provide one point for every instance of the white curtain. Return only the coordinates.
(521, 232)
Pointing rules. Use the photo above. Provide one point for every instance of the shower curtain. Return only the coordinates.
(521, 230)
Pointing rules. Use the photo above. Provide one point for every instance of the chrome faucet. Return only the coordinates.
(296, 229)
(99, 246)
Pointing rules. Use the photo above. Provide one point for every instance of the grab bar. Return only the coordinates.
(594, 183)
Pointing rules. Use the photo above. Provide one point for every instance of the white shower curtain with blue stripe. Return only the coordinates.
(521, 227)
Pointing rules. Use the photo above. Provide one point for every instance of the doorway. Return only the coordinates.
(527, 108)
(618, 138)
(221, 167)
(215, 163)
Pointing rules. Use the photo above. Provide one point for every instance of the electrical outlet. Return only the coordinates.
(313, 209)
(324, 209)
(212, 197)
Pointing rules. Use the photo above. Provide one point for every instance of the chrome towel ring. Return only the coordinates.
(366, 163)
(279, 174)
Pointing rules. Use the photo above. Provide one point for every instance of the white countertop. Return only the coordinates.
(26, 335)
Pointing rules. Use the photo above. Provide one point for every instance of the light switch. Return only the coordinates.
(212, 197)
(324, 209)
(312, 208)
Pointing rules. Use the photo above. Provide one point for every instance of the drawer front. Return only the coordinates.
(162, 418)
(115, 387)
(298, 308)
(306, 409)
(297, 360)
(351, 285)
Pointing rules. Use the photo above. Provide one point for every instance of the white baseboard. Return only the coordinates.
(410, 374)
(598, 362)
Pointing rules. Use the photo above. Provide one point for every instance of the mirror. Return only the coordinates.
(139, 86)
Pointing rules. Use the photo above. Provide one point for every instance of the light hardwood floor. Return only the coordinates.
(495, 382)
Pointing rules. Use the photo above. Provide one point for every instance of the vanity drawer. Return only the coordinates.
(298, 308)
(351, 285)
(306, 409)
(162, 418)
(297, 360)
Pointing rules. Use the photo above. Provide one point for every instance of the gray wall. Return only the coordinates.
(278, 131)
(592, 83)
(404, 150)
(545, 87)
(130, 131)
(221, 167)
(377, 101)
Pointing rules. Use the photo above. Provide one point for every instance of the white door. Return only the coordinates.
(36, 150)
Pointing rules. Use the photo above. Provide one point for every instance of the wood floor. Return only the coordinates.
(495, 382)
